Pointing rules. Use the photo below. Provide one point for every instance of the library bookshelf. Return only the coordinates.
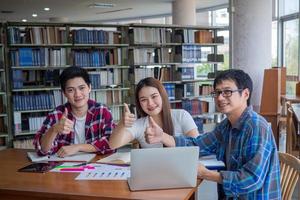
(4, 103)
(38, 52)
(175, 55)
(116, 57)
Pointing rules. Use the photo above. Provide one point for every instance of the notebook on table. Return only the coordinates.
(163, 168)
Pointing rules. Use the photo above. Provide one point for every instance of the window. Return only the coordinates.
(274, 44)
(220, 17)
(288, 7)
(224, 49)
(291, 53)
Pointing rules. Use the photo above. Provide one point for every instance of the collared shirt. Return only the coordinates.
(253, 170)
(98, 128)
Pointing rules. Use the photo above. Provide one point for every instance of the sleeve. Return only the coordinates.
(251, 175)
(106, 126)
(187, 122)
(48, 122)
(208, 143)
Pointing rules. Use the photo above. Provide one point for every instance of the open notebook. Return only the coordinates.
(122, 158)
(85, 157)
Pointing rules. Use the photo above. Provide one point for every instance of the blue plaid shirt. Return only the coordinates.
(252, 169)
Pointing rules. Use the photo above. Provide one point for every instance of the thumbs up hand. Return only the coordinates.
(154, 133)
(65, 125)
(128, 118)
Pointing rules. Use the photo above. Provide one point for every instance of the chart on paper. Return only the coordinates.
(105, 172)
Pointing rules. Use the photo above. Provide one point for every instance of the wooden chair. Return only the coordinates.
(292, 138)
(289, 174)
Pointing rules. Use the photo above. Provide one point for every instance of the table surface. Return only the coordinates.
(50, 185)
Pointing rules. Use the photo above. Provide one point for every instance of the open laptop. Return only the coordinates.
(162, 168)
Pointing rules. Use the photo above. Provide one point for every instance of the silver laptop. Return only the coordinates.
(162, 168)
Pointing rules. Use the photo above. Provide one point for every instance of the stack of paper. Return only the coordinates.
(85, 157)
(211, 162)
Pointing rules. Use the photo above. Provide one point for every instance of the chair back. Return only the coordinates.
(289, 174)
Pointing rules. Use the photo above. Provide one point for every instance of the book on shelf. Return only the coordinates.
(116, 158)
(23, 143)
(37, 35)
(203, 36)
(85, 36)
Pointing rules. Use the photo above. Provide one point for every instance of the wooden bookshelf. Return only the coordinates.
(38, 52)
(4, 96)
(172, 54)
(273, 88)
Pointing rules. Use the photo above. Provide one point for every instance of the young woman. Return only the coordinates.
(79, 125)
(157, 119)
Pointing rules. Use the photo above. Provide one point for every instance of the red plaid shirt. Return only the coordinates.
(98, 128)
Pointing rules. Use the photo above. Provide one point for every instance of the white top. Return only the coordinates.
(79, 130)
(182, 122)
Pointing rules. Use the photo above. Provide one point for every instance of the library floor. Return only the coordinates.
(208, 190)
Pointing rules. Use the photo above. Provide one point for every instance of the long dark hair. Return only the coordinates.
(166, 108)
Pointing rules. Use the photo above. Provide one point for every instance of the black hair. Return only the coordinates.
(73, 72)
(241, 79)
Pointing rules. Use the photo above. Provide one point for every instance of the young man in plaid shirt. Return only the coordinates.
(80, 125)
(243, 141)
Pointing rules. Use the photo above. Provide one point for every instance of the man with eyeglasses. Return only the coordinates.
(243, 141)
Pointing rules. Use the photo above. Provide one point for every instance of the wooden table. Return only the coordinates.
(50, 185)
(296, 112)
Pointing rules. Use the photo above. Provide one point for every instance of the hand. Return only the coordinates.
(64, 126)
(153, 133)
(128, 118)
(202, 170)
(67, 150)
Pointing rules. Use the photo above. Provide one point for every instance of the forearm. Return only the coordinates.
(85, 147)
(212, 176)
(168, 140)
(48, 138)
(119, 137)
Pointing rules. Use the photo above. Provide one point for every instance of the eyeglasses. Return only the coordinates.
(225, 93)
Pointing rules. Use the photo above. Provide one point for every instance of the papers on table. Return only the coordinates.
(78, 157)
(116, 158)
(211, 162)
(105, 172)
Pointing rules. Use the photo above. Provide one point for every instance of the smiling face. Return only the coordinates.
(77, 92)
(234, 105)
(150, 100)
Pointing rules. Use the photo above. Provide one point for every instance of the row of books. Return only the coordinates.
(35, 78)
(35, 123)
(23, 144)
(107, 97)
(33, 102)
(194, 106)
(188, 54)
(84, 36)
(150, 35)
(97, 58)
(170, 89)
(176, 74)
(37, 35)
(141, 73)
(100, 79)
(182, 54)
(38, 57)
